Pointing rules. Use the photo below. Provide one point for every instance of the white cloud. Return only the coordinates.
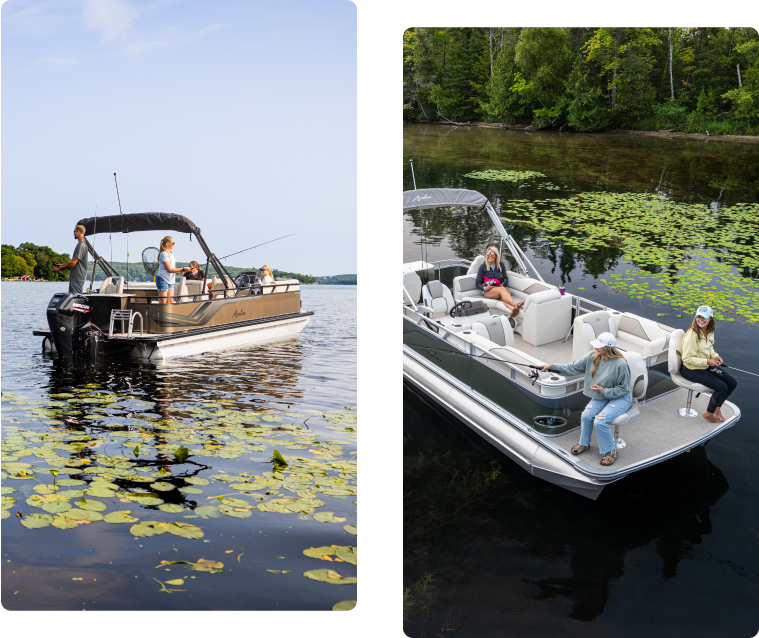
(112, 18)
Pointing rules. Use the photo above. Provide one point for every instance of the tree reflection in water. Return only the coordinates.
(498, 542)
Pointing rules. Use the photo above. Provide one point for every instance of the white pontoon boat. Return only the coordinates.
(466, 353)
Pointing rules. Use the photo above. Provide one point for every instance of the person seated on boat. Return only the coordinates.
(701, 364)
(607, 383)
(492, 280)
(266, 276)
(194, 273)
(167, 269)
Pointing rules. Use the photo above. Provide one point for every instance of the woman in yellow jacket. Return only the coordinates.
(701, 363)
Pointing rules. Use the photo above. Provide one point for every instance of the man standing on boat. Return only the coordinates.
(78, 263)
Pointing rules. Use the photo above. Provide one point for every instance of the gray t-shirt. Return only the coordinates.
(79, 271)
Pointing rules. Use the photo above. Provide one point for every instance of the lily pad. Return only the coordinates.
(91, 505)
(234, 502)
(36, 521)
(45, 489)
(328, 517)
(330, 576)
(149, 528)
(8, 502)
(196, 480)
(344, 605)
(235, 512)
(351, 529)
(190, 490)
(161, 486)
(185, 530)
(69, 482)
(61, 522)
(122, 516)
(56, 507)
(207, 511)
(348, 554)
(82, 515)
(150, 500)
(171, 508)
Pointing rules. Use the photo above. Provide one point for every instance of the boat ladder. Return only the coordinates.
(122, 316)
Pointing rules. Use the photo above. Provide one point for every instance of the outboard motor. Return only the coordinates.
(68, 316)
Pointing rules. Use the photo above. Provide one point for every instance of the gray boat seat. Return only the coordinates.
(413, 285)
(674, 362)
(495, 328)
(633, 333)
(639, 382)
(436, 295)
(112, 286)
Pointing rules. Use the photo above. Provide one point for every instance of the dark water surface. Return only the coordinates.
(298, 397)
(490, 550)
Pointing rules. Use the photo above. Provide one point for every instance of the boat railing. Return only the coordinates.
(473, 350)
(209, 294)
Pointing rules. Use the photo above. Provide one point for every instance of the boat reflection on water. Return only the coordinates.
(505, 550)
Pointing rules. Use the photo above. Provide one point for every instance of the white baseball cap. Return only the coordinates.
(705, 312)
(604, 339)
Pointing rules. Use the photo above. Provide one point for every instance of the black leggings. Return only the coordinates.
(722, 384)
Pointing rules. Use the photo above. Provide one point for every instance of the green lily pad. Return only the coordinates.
(122, 516)
(8, 502)
(102, 493)
(233, 502)
(161, 486)
(171, 508)
(61, 522)
(351, 529)
(56, 507)
(45, 489)
(328, 517)
(208, 511)
(149, 500)
(235, 512)
(196, 480)
(320, 552)
(149, 528)
(36, 521)
(82, 515)
(185, 530)
(190, 490)
(69, 482)
(91, 505)
(348, 554)
(330, 576)
(344, 605)
(8, 490)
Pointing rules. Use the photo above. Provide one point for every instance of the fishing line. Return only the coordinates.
(257, 245)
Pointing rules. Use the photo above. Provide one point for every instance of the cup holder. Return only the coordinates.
(550, 422)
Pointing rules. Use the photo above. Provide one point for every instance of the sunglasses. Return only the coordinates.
(490, 254)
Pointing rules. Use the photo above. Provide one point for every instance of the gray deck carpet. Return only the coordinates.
(657, 429)
(554, 352)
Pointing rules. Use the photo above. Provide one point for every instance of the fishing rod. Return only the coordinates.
(127, 231)
(257, 245)
(421, 219)
(724, 365)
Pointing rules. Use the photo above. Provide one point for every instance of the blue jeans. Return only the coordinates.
(602, 412)
(162, 284)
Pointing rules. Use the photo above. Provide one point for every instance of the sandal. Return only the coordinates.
(609, 458)
(579, 449)
(520, 304)
(514, 312)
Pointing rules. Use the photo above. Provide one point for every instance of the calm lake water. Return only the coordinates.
(231, 409)
(490, 550)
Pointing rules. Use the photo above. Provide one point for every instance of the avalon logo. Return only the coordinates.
(239, 313)
(419, 198)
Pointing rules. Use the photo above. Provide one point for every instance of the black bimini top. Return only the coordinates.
(138, 222)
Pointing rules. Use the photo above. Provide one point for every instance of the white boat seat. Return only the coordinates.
(218, 287)
(674, 361)
(112, 286)
(495, 328)
(545, 316)
(633, 333)
(413, 285)
(436, 295)
(639, 383)
(180, 289)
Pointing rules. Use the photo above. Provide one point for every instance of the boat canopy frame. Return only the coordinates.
(142, 222)
(424, 198)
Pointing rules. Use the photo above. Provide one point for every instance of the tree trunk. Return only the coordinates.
(614, 80)
(740, 84)
(491, 52)
(671, 83)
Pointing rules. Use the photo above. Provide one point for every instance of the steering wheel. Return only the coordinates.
(461, 305)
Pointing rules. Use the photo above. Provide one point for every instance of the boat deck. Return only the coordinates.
(656, 430)
(554, 352)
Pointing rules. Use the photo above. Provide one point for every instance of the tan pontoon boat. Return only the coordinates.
(128, 318)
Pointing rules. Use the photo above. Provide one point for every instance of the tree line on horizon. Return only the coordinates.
(587, 79)
(39, 261)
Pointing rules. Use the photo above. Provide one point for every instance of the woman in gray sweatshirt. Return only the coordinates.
(607, 383)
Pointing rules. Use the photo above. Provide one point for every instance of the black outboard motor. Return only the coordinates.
(67, 315)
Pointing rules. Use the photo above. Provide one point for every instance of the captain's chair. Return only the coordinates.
(413, 286)
(112, 286)
(436, 295)
(639, 383)
(497, 329)
(675, 360)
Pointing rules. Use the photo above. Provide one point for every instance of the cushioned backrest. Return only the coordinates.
(112, 286)
(496, 329)
(413, 284)
(638, 374)
(180, 289)
(465, 283)
(437, 296)
(475, 265)
(675, 358)
(599, 322)
(587, 328)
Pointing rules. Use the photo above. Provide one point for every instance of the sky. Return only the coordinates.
(240, 115)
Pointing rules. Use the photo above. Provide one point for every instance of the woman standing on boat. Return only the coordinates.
(164, 279)
(607, 383)
(701, 363)
(492, 279)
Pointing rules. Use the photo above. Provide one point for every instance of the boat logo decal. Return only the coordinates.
(80, 307)
(430, 352)
(239, 313)
(419, 198)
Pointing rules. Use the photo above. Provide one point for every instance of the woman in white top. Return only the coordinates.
(164, 279)
(266, 276)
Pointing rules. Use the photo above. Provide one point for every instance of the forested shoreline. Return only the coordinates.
(690, 80)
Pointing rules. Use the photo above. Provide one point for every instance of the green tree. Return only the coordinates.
(586, 110)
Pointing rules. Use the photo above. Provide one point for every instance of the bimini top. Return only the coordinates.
(434, 197)
(138, 222)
